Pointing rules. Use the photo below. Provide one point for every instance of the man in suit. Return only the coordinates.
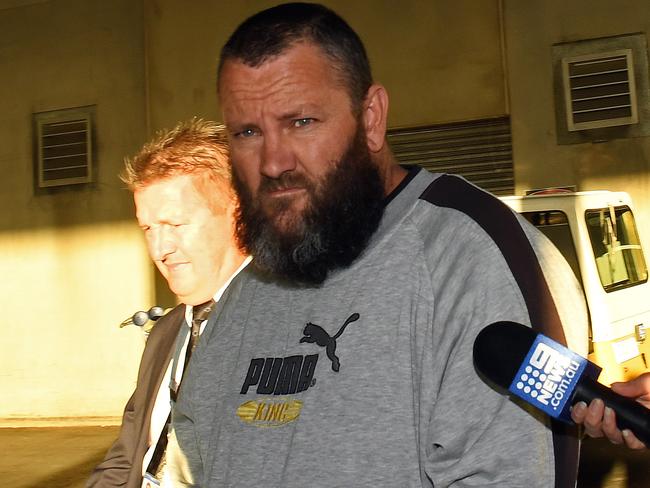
(185, 206)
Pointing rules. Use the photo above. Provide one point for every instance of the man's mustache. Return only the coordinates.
(284, 181)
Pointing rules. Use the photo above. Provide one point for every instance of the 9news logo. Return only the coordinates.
(548, 375)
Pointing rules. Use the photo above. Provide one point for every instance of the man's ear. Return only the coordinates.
(375, 114)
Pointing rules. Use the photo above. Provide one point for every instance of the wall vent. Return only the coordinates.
(600, 90)
(479, 150)
(64, 147)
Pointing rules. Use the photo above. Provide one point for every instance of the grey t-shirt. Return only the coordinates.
(367, 380)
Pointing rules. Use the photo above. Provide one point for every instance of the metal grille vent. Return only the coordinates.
(480, 151)
(600, 90)
(64, 148)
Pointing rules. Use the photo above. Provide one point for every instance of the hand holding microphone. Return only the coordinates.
(600, 421)
(549, 376)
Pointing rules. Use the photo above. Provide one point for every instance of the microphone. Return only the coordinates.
(140, 317)
(549, 376)
(155, 313)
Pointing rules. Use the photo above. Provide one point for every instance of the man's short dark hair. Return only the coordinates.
(271, 32)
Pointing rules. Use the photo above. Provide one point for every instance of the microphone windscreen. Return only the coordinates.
(140, 318)
(156, 312)
(499, 350)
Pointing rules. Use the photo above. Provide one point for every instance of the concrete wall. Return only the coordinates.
(72, 262)
(75, 260)
(146, 65)
(619, 164)
(440, 60)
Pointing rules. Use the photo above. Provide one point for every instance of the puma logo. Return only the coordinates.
(315, 333)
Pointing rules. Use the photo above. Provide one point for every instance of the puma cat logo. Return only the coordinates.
(315, 333)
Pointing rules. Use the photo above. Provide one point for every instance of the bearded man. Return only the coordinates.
(343, 355)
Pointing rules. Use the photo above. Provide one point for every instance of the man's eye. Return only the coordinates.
(246, 133)
(302, 122)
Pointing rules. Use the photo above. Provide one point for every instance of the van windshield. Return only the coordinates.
(617, 249)
(555, 225)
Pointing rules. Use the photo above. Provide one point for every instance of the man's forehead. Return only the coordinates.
(161, 190)
(297, 57)
(289, 82)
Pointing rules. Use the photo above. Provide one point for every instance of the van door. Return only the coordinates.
(619, 341)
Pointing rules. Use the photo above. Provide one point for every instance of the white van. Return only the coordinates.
(596, 233)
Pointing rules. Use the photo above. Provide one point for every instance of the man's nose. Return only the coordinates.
(277, 156)
(161, 242)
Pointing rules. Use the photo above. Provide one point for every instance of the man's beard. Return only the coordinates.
(342, 212)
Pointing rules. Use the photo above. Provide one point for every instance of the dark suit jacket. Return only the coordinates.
(122, 465)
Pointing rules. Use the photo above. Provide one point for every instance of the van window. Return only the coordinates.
(616, 246)
(555, 225)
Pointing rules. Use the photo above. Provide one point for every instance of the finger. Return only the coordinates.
(595, 412)
(639, 387)
(630, 389)
(594, 417)
(609, 427)
(631, 441)
(579, 412)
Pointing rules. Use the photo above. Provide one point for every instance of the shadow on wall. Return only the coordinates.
(65, 207)
(74, 476)
(56, 457)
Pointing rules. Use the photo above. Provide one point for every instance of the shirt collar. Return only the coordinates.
(217, 296)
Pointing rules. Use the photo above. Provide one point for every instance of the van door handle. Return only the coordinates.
(640, 332)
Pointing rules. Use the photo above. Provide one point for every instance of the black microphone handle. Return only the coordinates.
(630, 414)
